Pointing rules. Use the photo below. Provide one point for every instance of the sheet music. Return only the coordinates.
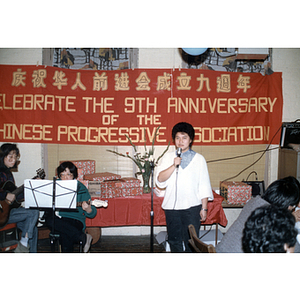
(39, 193)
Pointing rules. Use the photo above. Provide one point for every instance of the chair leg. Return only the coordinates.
(54, 238)
(80, 247)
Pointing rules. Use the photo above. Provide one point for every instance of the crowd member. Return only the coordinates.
(71, 224)
(188, 187)
(282, 193)
(26, 219)
(269, 229)
(297, 211)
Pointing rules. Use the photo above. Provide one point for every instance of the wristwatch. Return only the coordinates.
(205, 209)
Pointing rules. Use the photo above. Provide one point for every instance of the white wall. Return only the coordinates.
(17, 56)
(31, 154)
(159, 58)
(287, 61)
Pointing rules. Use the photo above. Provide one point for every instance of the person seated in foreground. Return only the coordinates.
(71, 224)
(26, 219)
(282, 193)
(269, 229)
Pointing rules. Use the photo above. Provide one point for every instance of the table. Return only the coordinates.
(135, 211)
(227, 205)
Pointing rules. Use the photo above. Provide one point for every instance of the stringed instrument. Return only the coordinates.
(9, 186)
(97, 203)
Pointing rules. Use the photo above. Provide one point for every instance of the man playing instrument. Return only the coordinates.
(71, 224)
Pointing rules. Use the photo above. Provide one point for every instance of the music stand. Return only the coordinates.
(45, 194)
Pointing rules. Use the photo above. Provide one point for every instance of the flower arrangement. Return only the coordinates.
(144, 162)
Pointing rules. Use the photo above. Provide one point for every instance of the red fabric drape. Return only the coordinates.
(135, 211)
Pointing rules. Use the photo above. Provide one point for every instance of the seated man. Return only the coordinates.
(71, 224)
(269, 229)
(283, 193)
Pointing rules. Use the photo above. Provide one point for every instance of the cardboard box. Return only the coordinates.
(109, 189)
(129, 192)
(101, 176)
(80, 174)
(87, 166)
(114, 188)
(94, 188)
(128, 182)
(109, 193)
(85, 182)
(235, 192)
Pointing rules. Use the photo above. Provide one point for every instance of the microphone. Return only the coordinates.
(179, 152)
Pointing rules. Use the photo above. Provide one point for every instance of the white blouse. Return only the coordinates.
(190, 185)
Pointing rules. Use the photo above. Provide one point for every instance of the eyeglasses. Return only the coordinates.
(12, 157)
(62, 175)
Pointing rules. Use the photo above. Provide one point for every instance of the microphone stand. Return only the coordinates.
(152, 165)
(53, 236)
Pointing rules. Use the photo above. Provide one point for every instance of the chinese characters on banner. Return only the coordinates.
(51, 105)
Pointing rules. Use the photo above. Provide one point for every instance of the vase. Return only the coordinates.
(146, 183)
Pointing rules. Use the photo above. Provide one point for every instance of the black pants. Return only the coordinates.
(70, 231)
(177, 226)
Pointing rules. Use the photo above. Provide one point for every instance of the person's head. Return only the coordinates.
(269, 229)
(183, 135)
(9, 155)
(67, 171)
(284, 193)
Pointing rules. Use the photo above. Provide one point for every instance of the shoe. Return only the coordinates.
(87, 245)
(21, 248)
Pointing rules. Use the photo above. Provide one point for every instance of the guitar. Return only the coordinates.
(9, 186)
(97, 203)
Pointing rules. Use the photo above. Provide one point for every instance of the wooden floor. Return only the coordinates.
(113, 244)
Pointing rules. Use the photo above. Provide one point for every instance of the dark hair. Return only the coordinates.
(5, 149)
(184, 127)
(283, 192)
(268, 229)
(67, 164)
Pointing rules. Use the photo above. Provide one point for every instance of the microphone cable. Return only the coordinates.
(179, 151)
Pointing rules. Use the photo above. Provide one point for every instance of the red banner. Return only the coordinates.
(41, 104)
